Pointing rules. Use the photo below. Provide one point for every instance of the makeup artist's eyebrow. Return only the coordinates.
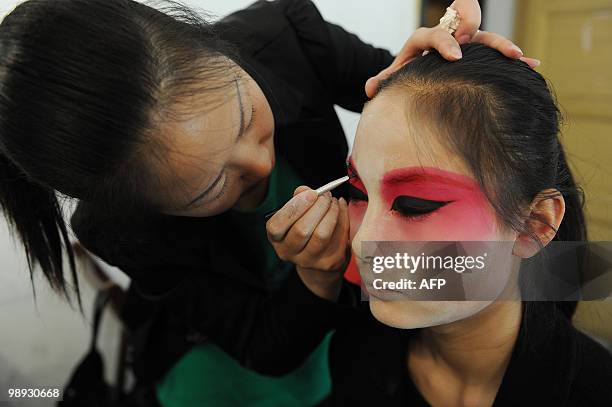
(241, 107)
(240, 132)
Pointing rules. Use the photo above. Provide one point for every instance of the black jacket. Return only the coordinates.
(552, 364)
(190, 278)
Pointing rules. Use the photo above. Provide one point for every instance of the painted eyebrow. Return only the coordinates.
(241, 131)
(412, 177)
(407, 175)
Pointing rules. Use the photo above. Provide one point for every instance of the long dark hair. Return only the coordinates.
(83, 84)
(502, 119)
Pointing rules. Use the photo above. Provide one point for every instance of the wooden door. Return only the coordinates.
(573, 38)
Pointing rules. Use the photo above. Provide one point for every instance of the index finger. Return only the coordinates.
(281, 222)
(498, 42)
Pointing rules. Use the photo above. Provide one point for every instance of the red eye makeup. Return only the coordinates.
(357, 191)
(457, 201)
(431, 184)
(422, 203)
(358, 198)
(354, 180)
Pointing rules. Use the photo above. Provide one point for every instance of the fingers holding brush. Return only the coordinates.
(327, 254)
(329, 242)
(301, 232)
(299, 229)
(283, 220)
(315, 238)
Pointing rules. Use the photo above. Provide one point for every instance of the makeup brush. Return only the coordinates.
(320, 191)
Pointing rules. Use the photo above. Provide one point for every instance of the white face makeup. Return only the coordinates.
(221, 158)
(408, 187)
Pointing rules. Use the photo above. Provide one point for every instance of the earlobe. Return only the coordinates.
(541, 225)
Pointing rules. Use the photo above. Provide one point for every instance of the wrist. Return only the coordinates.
(324, 284)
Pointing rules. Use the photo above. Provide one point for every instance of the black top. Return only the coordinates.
(552, 364)
(190, 281)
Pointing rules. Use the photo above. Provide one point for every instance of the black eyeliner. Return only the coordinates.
(413, 206)
(210, 188)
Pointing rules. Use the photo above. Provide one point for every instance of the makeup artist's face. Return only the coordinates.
(408, 187)
(220, 158)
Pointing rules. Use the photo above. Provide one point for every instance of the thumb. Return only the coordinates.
(300, 189)
(470, 14)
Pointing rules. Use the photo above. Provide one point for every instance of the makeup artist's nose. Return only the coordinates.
(254, 162)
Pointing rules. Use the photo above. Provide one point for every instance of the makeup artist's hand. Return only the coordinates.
(313, 233)
(447, 45)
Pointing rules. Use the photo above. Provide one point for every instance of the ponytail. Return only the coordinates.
(33, 212)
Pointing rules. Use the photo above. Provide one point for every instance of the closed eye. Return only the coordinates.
(410, 206)
(356, 194)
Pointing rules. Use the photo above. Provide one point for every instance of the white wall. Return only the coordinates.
(41, 342)
(499, 17)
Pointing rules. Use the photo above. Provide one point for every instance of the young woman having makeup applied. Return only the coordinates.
(464, 152)
(176, 136)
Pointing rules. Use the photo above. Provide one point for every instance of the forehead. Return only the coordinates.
(205, 132)
(389, 136)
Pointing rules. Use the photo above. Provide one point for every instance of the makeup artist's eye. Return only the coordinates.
(356, 194)
(412, 207)
(215, 194)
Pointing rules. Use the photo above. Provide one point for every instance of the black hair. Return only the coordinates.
(83, 85)
(502, 119)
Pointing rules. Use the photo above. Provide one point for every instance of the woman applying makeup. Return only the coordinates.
(465, 152)
(175, 136)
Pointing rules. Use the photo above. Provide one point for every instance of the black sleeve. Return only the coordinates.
(340, 57)
(593, 373)
(355, 63)
(271, 333)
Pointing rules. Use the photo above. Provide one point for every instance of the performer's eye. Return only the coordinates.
(413, 207)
